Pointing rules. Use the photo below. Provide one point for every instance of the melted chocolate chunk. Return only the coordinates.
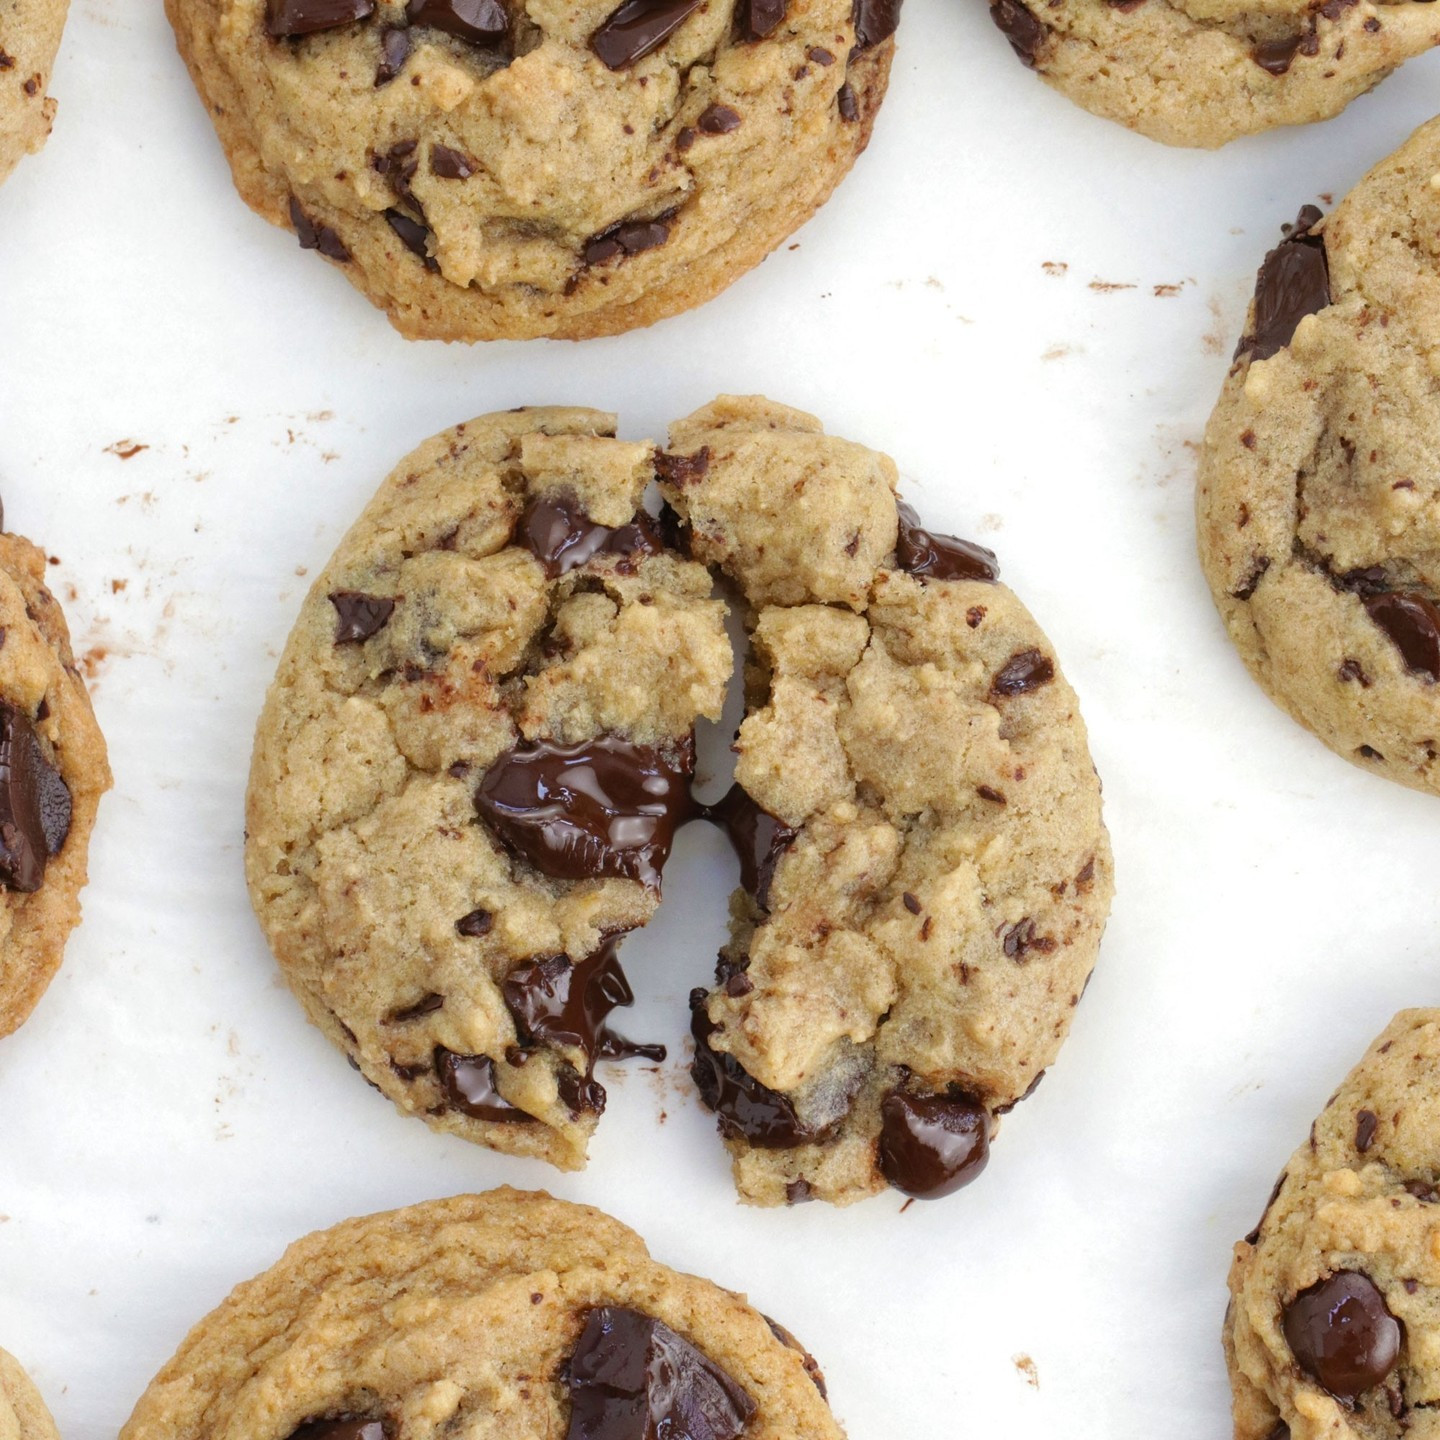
(932, 1145)
(35, 805)
(682, 470)
(601, 808)
(556, 530)
(633, 1378)
(1413, 623)
(475, 924)
(469, 1084)
(582, 1093)
(394, 52)
(1342, 1335)
(637, 28)
(359, 616)
(287, 18)
(759, 18)
(414, 236)
(875, 20)
(758, 837)
(1024, 32)
(343, 1427)
(1274, 56)
(316, 237)
(718, 120)
(1293, 282)
(481, 22)
(787, 1338)
(940, 557)
(450, 164)
(1025, 670)
(626, 239)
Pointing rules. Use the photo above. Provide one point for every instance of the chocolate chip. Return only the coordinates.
(1342, 1335)
(819, 55)
(631, 1377)
(987, 792)
(555, 529)
(427, 1005)
(1252, 582)
(1024, 32)
(1365, 1124)
(682, 470)
(1353, 670)
(1413, 623)
(316, 237)
(481, 22)
(759, 839)
(35, 804)
(394, 52)
(287, 18)
(605, 807)
(398, 165)
(637, 28)
(875, 20)
(1025, 670)
(359, 616)
(1422, 1191)
(932, 1145)
(798, 1192)
(1293, 282)
(475, 924)
(626, 239)
(759, 18)
(940, 557)
(469, 1084)
(450, 164)
(343, 1427)
(414, 236)
(1275, 56)
(1021, 939)
(787, 1338)
(911, 903)
(718, 120)
(848, 103)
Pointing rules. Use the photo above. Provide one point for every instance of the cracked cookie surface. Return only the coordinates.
(53, 771)
(562, 169)
(1206, 71)
(23, 1415)
(1333, 1329)
(1318, 484)
(29, 39)
(932, 878)
(501, 1316)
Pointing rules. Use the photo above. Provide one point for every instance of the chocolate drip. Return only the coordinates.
(940, 557)
(758, 837)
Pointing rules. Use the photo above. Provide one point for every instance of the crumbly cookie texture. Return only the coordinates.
(1333, 1329)
(29, 39)
(23, 1415)
(469, 637)
(53, 771)
(1320, 473)
(929, 874)
(502, 171)
(1203, 72)
(502, 1316)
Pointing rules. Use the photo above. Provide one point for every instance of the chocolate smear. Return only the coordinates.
(940, 557)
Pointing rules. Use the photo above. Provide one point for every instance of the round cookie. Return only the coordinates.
(1320, 473)
(53, 771)
(469, 769)
(501, 1316)
(1333, 1328)
(925, 871)
(23, 1415)
(1202, 72)
(29, 39)
(489, 170)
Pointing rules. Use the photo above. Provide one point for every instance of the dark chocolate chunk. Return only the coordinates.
(1020, 27)
(287, 18)
(637, 28)
(787, 1337)
(718, 120)
(398, 165)
(475, 924)
(940, 557)
(414, 236)
(343, 1427)
(759, 18)
(316, 237)
(580, 812)
(35, 804)
(1364, 582)
(875, 20)
(556, 530)
(1413, 623)
(450, 164)
(481, 22)
(1342, 1334)
(582, 1093)
(426, 1005)
(848, 103)
(1366, 1123)
(359, 616)
(469, 1085)
(632, 1377)
(629, 238)
(798, 1192)
(758, 837)
(682, 470)
(1293, 282)
(1025, 670)
(1275, 56)
(394, 52)
(932, 1145)
(820, 55)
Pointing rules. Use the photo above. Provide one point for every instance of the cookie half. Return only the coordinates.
(29, 40)
(1317, 497)
(486, 169)
(53, 771)
(926, 874)
(1333, 1326)
(1197, 72)
(499, 1315)
(23, 1415)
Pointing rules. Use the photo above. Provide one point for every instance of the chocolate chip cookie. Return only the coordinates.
(493, 1316)
(23, 1415)
(29, 38)
(487, 169)
(925, 873)
(53, 771)
(1332, 1329)
(1318, 477)
(1193, 72)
